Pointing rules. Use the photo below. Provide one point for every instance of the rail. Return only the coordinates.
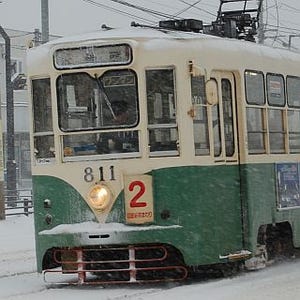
(18, 202)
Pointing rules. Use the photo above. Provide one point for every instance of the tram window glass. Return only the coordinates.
(86, 103)
(200, 122)
(106, 103)
(44, 147)
(275, 90)
(254, 84)
(293, 91)
(101, 143)
(256, 130)
(228, 116)
(294, 130)
(42, 119)
(216, 130)
(162, 126)
(276, 131)
(42, 110)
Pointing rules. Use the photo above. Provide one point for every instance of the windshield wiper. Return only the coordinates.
(106, 98)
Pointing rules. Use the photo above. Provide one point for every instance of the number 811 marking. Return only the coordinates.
(89, 174)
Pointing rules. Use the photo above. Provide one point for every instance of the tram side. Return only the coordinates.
(269, 152)
(203, 174)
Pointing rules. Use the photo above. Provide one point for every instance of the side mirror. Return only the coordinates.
(211, 89)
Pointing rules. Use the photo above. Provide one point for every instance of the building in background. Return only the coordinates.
(20, 41)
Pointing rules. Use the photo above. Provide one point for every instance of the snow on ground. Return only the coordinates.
(19, 280)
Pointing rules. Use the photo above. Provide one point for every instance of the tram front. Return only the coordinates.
(93, 187)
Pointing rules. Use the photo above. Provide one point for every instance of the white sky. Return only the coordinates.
(69, 17)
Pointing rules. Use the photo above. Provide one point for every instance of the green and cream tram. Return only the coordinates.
(158, 151)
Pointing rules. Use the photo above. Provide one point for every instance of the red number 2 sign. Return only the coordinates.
(140, 192)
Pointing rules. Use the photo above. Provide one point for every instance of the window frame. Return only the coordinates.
(95, 128)
(287, 91)
(264, 87)
(171, 126)
(267, 90)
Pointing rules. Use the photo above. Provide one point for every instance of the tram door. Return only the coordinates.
(224, 127)
(224, 145)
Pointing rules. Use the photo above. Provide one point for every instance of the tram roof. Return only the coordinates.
(168, 39)
(130, 32)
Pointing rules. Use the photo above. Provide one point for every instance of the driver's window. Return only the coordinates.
(86, 102)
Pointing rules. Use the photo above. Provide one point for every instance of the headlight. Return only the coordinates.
(100, 197)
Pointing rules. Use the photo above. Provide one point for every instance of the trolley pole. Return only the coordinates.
(10, 130)
(45, 20)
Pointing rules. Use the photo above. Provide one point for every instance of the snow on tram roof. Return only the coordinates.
(156, 39)
(129, 32)
(146, 33)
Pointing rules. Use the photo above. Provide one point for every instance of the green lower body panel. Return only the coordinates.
(197, 210)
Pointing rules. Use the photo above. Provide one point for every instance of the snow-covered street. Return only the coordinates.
(19, 280)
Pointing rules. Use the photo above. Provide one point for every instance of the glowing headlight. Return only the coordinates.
(99, 197)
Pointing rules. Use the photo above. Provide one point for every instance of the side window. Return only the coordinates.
(161, 105)
(255, 97)
(256, 129)
(293, 91)
(200, 122)
(276, 131)
(294, 130)
(254, 85)
(276, 98)
(275, 90)
(42, 119)
(228, 117)
(293, 99)
(265, 121)
(216, 130)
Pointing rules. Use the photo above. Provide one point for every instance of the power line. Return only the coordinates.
(278, 27)
(187, 8)
(292, 9)
(201, 9)
(143, 9)
(117, 11)
(283, 28)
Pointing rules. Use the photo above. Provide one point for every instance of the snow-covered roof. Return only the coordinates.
(129, 32)
(240, 52)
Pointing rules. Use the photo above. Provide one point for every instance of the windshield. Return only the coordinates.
(106, 102)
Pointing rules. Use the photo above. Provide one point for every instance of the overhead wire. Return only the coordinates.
(127, 14)
(291, 8)
(143, 9)
(187, 8)
(278, 27)
(200, 9)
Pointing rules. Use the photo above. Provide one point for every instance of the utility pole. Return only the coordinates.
(2, 196)
(10, 130)
(261, 28)
(45, 20)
